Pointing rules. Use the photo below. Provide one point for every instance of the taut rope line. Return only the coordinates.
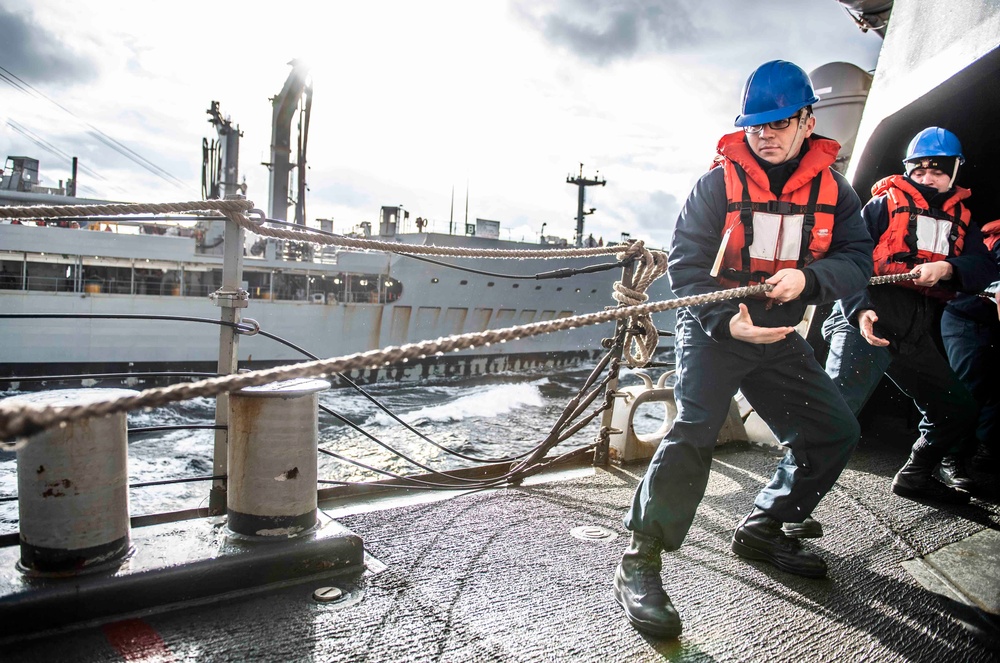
(651, 265)
(30, 419)
(236, 211)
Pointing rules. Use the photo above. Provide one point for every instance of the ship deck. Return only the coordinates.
(496, 575)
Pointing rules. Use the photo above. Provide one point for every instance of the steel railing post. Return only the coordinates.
(621, 338)
(230, 297)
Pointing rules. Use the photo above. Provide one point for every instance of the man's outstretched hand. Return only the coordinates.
(742, 328)
(866, 323)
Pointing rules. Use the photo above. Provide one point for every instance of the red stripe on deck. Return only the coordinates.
(136, 640)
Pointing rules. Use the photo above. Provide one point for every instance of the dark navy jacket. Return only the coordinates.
(698, 235)
(974, 269)
(973, 307)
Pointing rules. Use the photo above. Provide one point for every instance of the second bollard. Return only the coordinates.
(272, 458)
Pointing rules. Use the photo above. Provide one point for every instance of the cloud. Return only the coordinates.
(36, 55)
(721, 33)
(601, 34)
(646, 215)
(656, 214)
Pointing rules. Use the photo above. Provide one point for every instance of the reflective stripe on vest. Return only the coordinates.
(763, 233)
(917, 233)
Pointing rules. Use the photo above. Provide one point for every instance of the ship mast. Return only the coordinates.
(285, 104)
(229, 156)
(582, 183)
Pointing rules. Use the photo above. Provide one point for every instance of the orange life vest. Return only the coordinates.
(991, 234)
(916, 233)
(765, 233)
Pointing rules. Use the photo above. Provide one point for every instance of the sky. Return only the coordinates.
(421, 104)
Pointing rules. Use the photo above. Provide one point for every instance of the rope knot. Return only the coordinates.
(651, 266)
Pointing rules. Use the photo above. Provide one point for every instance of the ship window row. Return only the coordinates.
(94, 275)
(490, 284)
(76, 274)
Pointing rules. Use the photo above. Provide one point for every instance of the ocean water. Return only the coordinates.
(491, 417)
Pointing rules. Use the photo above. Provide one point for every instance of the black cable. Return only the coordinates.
(361, 390)
(550, 440)
(469, 483)
(590, 380)
(534, 469)
(126, 316)
(388, 448)
(165, 482)
(156, 429)
(145, 484)
(554, 274)
(331, 482)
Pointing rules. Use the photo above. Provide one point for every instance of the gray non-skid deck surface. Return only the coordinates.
(496, 576)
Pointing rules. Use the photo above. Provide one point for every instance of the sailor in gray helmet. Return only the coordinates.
(773, 180)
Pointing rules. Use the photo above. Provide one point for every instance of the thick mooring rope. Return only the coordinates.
(29, 419)
(121, 209)
(26, 420)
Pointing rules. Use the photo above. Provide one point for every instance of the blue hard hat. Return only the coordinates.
(774, 91)
(934, 142)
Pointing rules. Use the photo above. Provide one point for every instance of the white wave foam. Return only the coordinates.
(488, 403)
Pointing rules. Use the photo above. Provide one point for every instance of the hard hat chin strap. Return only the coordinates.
(795, 139)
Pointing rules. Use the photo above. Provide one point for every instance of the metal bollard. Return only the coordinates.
(628, 445)
(72, 485)
(272, 454)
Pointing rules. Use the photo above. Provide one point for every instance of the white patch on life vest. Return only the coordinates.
(776, 236)
(932, 234)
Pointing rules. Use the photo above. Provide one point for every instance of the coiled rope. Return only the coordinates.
(651, 266)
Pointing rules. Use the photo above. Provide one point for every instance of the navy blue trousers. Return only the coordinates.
(914, 364)
(974, 354)
(786, 386)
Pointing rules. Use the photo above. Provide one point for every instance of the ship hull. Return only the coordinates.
(74, 327)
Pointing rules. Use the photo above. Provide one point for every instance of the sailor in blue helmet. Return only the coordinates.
(770, 210)
(921, 225)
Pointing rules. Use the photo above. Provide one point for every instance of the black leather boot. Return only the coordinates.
(916, 480)
(807, 529)
(639, 589)
(759, 536)
(987, 459)
(953, 473)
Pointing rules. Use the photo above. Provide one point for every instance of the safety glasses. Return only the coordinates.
(777, 125)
